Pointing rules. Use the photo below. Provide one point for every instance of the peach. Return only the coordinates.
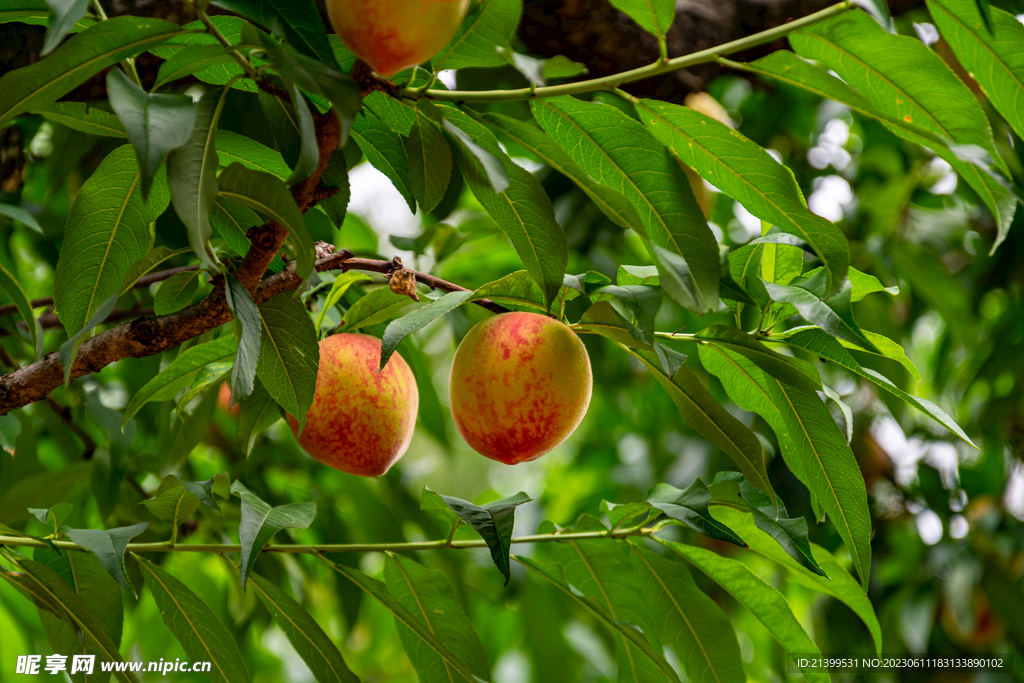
(520, 385)
(391, 35)
(361, 421)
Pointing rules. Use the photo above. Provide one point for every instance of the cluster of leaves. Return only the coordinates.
(624, 157)
(647, 600)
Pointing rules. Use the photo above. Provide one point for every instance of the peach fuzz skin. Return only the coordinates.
(391, 35)
(361, 421)
(520, 385)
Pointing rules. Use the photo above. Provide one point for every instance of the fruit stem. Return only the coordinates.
(661, 66)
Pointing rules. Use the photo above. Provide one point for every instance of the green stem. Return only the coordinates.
(129, 63)
(220, 548)
(656, 69)
(212, 29)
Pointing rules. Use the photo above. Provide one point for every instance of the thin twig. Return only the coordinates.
(655, 69)
(315, 549)
(144, 281)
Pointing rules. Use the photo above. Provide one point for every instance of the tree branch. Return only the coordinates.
(144, 281)
(316, 549)
(148, 336)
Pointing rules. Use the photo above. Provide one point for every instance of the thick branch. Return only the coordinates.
(149, 336)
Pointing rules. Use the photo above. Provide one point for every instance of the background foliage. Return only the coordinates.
(946, 536)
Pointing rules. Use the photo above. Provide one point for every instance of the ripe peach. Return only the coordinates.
(391, 35)
(520, 385)
(361, 421)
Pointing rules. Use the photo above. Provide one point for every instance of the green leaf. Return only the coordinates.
(789, 532)
(16, 213)
(173, 502)
(201, 634)
(341, 285)
(429, 162)
(605, 572)
(235, 148)
(617, 151)
(289, 355)
(492, 165)
(24, 11)
(99, 593)
(398, 114)
(232, 223)
(156, 123)
(482, 33)
(379, 592)
(833, 314)
(434, 504)
(863, 284)
(50, 591)
(68, 351)
(336, 176)
(317, 650)
(493, 521)
(53, 517)
(319, 78)
(417, 320)
(707, 417)
(309, 152)
(83, 118)
(98, 47)
(108, 547)
(385, 150)
(554, 574)
(676, 280)
(261, 521)
(604, 320)
(812, 445)
(176, 292)
(523, 211)
(192, 176)
(190, 59)
(654, 16)
(887, 348)
(258, 411)
(375, 307)
(153, 258)
(263, 192)
(12, 288)
(298, 21)
(994, 57)
(247, 315)
(902, 76)
(612, 203)
(696, 628)
(204, 490)
(786, 368)
(109, 228)
(820, 343)
(743, 170)
(168, 382)
(839, 583)
(427, 594)
(691, 508)
(764, 602)
(515, 289)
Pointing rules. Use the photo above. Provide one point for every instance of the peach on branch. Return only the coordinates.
(361, 421)
(520, 385)
(391, 35)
